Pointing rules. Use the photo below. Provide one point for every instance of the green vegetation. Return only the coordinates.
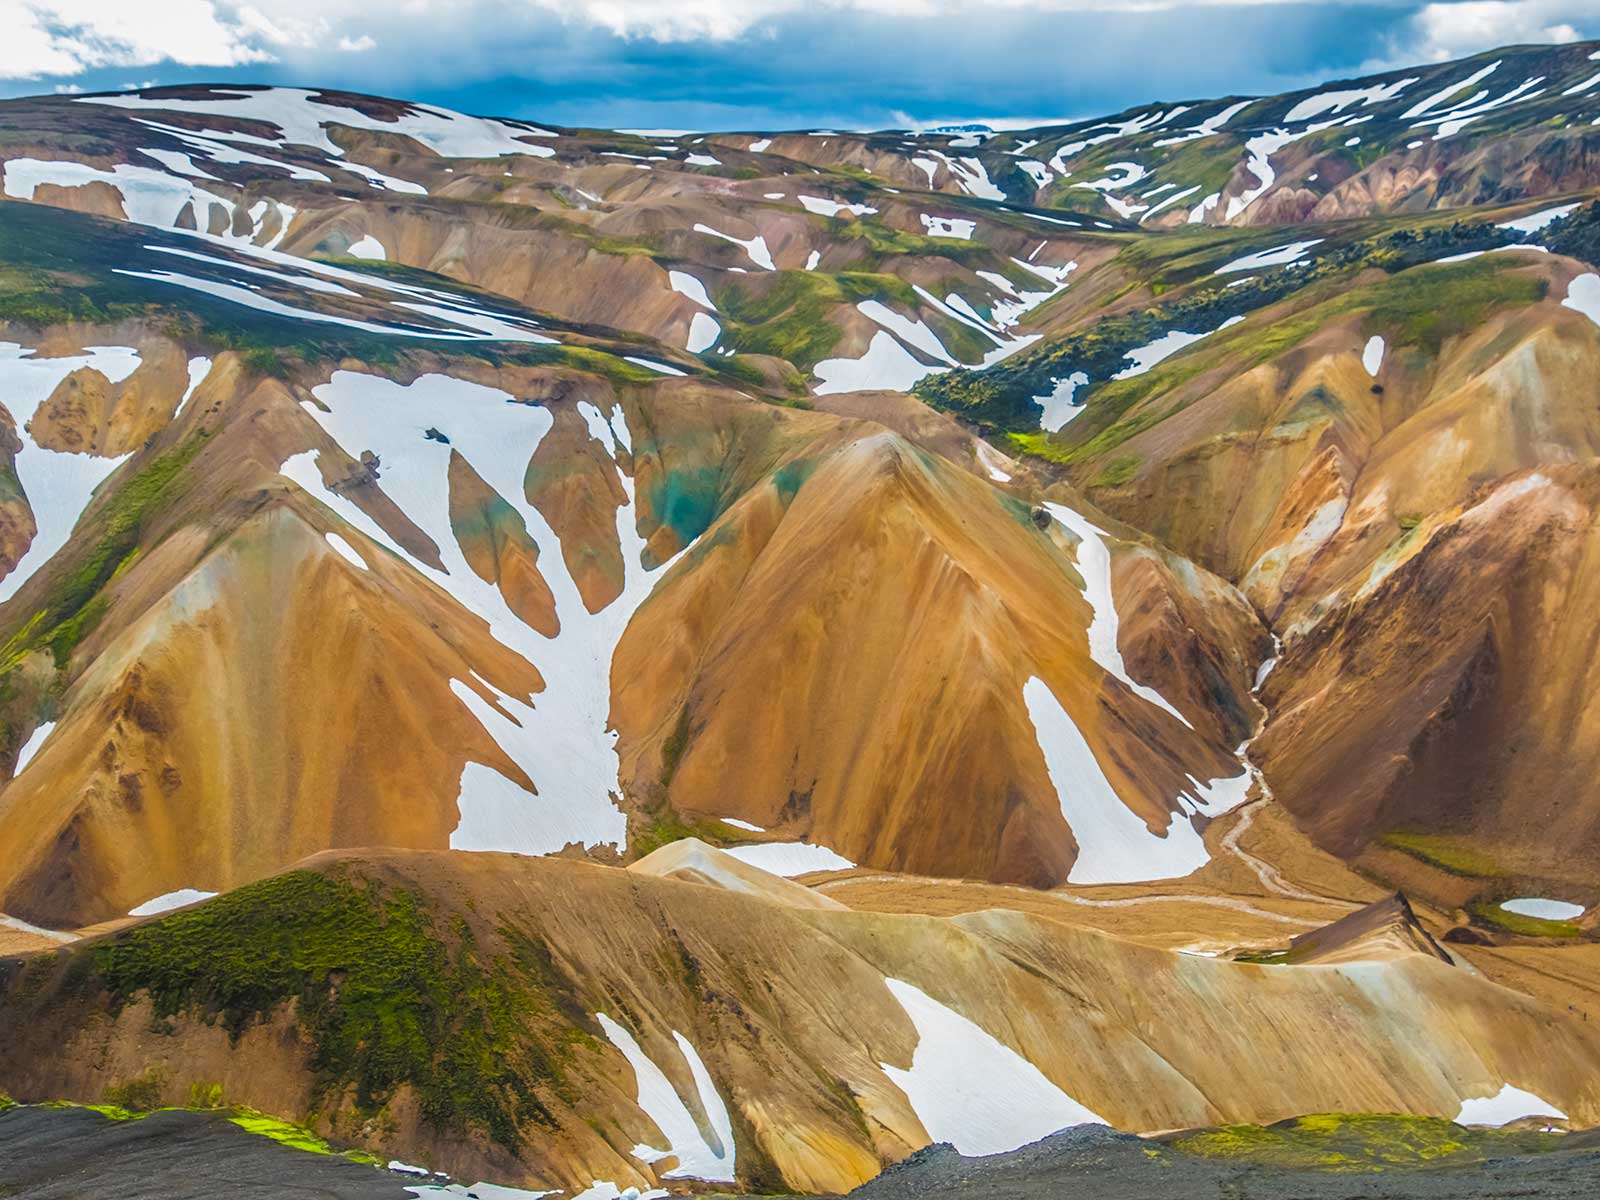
(76, 602)
(1360, 1142)
(385, 998)
(296, 1137)
(786, 318)
(1491, 914)
(140, 1094)
(1412, 307)
(1444, 853)
(664, 824)
(1118, 472)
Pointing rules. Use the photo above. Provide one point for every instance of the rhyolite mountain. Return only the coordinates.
(719, 660)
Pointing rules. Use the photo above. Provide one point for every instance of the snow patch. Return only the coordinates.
(1056, 407)
(345, 550)
(31, 746)
(302, 120)
(1114, 844)
(703, 333)
(886, 366)
(699, 1157)
(789, 859)
(1583, 295)
(1545, 910)
(972, 1090)
(755, 247)
(58, 485)
(559, 738)
(686, 284)
(368, 247)
(832, 208)
(1279, 256)
(1507, 1105)
(1372, 354)
(1534, 222)
(949, 227)
(170, 900)
(1094, 565)
(1164, 347)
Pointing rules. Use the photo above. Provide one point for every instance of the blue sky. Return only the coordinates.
(760, 64)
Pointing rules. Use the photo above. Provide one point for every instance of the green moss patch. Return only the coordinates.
(1359, 1142)
(1443, 853)
(386, 998)
(1491, 914)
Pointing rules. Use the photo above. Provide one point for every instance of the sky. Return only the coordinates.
(761, 64)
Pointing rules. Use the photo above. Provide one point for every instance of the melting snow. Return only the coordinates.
(789, 859)
(303, 120)
(1203, 209)
(990, 461)
(972, 1090)
(31, 746)
(702, 160)
(1094, 565)
(199, 368)
(745, 825)
(1036, 170)
(950, 227)
(1372, 354)
(58, 485)
(699, 1157)
(1279, 257)
(1545, 910)
(1583, 294)
(1416, 110)
(832, 208)
(1507, 1105)
(345, 550)
(1211, 125)
(755, 247)
(651, 364)
(760, 147)
(1057, 407)
(1338, 101)
(1164, 347)
(1534, 222)
(606, 1190)
(1114, 844)
(887, 366)
(914, 333)
(560, 738)
(686, 284)
(703, 333)
(368, 247)
(149, 197)
(169, 901)
(1259, 151)
(495, 1191)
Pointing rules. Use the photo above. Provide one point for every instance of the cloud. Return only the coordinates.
(68, 37)
(1446, 30)
(765, 64)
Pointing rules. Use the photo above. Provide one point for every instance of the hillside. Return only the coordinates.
(787, 614)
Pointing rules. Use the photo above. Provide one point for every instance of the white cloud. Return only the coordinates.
(1447, 30)
(357, 45)
(66, 37)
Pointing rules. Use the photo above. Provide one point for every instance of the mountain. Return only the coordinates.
(721, 660)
